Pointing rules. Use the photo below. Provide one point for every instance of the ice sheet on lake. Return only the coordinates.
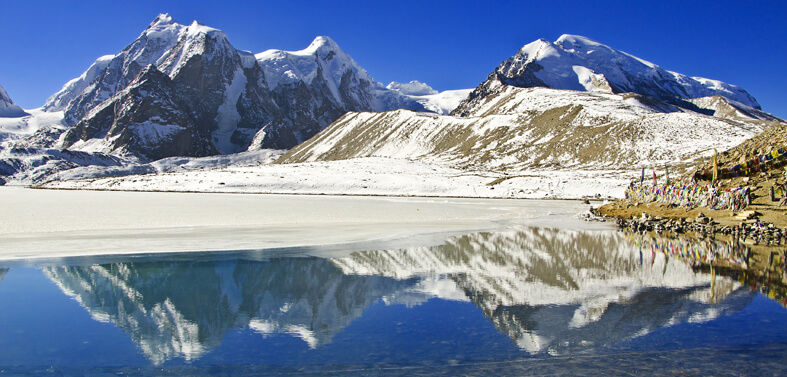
(53, 224)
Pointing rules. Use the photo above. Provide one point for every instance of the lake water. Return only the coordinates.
(518, 299)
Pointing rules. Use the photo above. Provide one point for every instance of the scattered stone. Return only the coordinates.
(745, 215)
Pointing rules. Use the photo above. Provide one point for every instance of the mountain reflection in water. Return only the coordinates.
(550, 291)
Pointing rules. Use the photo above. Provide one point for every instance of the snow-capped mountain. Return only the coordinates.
(315, 86)
(8, 109)
(573, 104)
(204, 97)
(176, 90)
(578, 63)
(412, 88)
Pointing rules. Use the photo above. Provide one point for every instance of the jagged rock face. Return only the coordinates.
(226, 94)
(197, 97)
(111, 74)
(8, 109)
(315, 86)
(146, 119)
(578, 63)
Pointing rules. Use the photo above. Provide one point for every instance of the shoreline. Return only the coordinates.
(404, 196)
(760, 230)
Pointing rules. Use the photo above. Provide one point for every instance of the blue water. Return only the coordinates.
(449, 309)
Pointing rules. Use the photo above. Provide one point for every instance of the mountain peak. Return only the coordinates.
(8, 109)
(162, 20)
(198, 28)
(163, 28)
(322, 43)
(538, 49)
(570, 42)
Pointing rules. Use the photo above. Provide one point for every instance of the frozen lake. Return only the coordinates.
(58, 223)
(98, 283)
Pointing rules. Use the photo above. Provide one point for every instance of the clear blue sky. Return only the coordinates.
(446, 44)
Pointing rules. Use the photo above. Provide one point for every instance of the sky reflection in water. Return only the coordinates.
(528, 294)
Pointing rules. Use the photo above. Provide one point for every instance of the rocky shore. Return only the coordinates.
(749, 245)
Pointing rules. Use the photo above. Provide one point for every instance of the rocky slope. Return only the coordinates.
(520, 128)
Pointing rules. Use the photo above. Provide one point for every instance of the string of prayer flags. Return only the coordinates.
(772, 160)
(692, 196)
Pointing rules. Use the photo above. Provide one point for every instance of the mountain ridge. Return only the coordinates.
(572, 104)
(274, 99)
(237, 101)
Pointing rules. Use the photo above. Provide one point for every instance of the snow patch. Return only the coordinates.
(228, 117)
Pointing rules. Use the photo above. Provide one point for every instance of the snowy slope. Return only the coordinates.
(14, 129)
(525, 143)
(8, 109)
(723, 107)
(28, 166)
(59, 100)
(362, 176)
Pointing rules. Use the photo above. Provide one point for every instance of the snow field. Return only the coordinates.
(376, 176)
